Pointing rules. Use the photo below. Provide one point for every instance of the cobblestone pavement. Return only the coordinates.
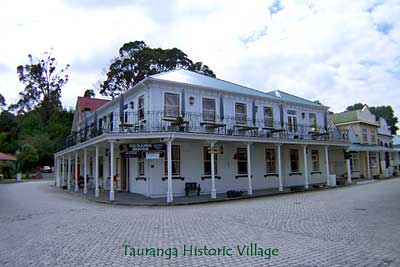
(351, 226)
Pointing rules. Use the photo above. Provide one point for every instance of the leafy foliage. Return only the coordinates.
(137, 61)
(385, 112)
(7, 168)
(2, 101)
(89, 93)
(27, 158)
(43, 84)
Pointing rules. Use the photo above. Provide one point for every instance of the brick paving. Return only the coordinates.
(350, 226)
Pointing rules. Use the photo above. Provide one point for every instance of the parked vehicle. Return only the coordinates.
(45, 169)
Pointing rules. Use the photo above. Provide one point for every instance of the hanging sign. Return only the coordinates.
(152, 155)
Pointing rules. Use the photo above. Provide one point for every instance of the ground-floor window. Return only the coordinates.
(315, 160)
(207, 161)
(176, 161)
(294, 160)
(241, 157)
(140, 166)
(270, 160)
(372, 159)
(355, 162)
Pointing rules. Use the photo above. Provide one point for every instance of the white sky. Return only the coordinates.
(338, 51)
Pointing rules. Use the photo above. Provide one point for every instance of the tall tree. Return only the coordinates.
(137, 61)
(43, 83)
(387, 113)
(89, 93)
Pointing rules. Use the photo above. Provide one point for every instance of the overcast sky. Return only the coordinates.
(337, 51)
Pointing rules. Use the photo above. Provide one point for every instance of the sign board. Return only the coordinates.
(132, 154)
(146, 146)
(152, 155)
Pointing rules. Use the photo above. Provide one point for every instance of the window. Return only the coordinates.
(354, 162)
(140, 166)
(315, 160)
(270, 160)
(100, 124)
(171, 105)
(292, 121)
(313, 121)
(372, 159)
(294, 160)
(364, 135)
(110, 121)
(241, 156)
(176, 161)
(268, 117)
(373, 137)
(141, 108)
(208, 109)
(207, 161)
(240, 113)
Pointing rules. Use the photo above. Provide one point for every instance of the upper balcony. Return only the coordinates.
(204, 123)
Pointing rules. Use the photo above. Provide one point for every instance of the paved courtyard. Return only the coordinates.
(351, 226)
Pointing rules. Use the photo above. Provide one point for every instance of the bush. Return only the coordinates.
(7, 169)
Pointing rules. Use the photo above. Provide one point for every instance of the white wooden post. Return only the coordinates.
(250, 188)
(76, 171)
(280, 167)
(213, 191)
(96, 172)
(170, 197)
(348, 170)
(111, 171)
(85, 171)
(306, 184)
(328, 182)
(62, 172)
(69, 173)
(368, 167)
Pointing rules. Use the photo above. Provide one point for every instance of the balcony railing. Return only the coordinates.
(159, 121)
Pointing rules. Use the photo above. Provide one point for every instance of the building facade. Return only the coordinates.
(179, 129)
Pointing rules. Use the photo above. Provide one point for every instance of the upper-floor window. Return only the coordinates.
(141, 108)
(292, 121)
(364, 135)
(315, 160)
(313, 121)
(171, 105)
(294, 160)
(240, 113)
(270, 160)
(268, 117)
(110, 121)
(373, 136)
(207, 161)
(209, 109)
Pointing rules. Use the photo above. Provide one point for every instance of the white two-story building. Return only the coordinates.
(180, 130)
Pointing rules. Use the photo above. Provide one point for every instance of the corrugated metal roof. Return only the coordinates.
(292, 98)
(343, 117)
(4, 156)
(193, 78)
(371, 148)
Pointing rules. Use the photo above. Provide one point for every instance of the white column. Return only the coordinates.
(76, 171)
(306, 184)
(55, 175)
(58, 172)
(96, 172)
(111, 171)
(62, 172)
(85, 171)
(69, 173)
(348, 170)
(368, 167)
(280, 167)
(328, 183)
(170, 197)
(213, 191)
(250, 188)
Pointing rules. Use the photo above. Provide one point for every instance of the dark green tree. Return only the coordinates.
(137, 61)
(43, 83)
(387, 113)
(356, 106)
(2, 102)
(27, 158)
(8, 132)
(89, 93)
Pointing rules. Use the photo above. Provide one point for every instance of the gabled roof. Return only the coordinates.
(343, 117)
(194, 78)
(292, 98)
(4, 156)
(363, 115)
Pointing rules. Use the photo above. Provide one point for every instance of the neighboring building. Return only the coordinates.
(6, 158)
(396, 153)
(370, 149)
(180, 129)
